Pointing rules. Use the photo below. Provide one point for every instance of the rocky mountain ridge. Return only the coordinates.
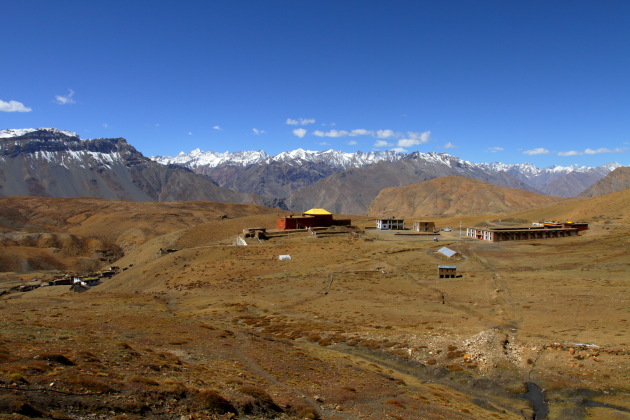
(55, 163)
(617, 180)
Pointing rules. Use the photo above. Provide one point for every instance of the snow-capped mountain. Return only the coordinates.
(336, 159)
(307, 167)
(561, 181)
(57, 163)
(18, 132)
(52, 162)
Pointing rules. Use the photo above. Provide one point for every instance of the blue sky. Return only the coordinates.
(545, 82)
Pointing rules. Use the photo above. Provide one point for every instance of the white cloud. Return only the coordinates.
(495, 149)
(64, 100)
(449, 145)
(536, 151)
(105, 125)
(385, 134)
(361, 132)
(382, 143)
(331, 133)
(300, 121)
(190, 133)
(217, 128)
(408, 142)
(414, 139)
(324, 143)
(421, 136)
(299, 132)
(589, 151)
(352, 142)
(408, 139)
(399, 150)
(13, 106)
(258, 132)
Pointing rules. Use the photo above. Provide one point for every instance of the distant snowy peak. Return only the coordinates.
(198, 158)
(441, 159)
(528, 170)
(336, 159)
(344, 160)
(18, 132)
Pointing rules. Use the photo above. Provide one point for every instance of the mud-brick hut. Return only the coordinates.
(447, 271)
(310, 219)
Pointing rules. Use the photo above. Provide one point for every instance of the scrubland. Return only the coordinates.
(355, 325)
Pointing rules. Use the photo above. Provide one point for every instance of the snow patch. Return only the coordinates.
(17, 132)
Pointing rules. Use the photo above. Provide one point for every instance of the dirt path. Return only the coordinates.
(245, 346)
(499, 293)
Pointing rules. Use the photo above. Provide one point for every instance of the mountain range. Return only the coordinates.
(58, 163)
(348, 182)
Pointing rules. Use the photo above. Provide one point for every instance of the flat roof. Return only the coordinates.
(522, 229)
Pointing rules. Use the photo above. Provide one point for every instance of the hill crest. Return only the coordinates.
(454, 195)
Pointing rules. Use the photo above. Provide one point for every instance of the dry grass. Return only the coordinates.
(262, 337)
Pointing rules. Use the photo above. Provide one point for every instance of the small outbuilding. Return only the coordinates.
(447, 271)
(447, 252)
(424, 226)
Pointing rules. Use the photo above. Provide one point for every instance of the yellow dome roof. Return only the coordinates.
(317, 211)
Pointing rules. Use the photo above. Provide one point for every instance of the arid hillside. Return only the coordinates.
(453, 195)
(617, 180)
(355, 325)
(74, 234)
(608, 209)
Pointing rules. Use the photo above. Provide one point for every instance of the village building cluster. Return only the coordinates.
(76, 282)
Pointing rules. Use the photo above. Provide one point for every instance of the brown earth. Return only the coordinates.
(355, 325)
(617, 180)
(453, 195)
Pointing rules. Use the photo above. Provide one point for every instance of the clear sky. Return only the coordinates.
(545, 82)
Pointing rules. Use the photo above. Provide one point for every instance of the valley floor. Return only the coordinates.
(353, 326)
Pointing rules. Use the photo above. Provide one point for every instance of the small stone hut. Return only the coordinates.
(447, 271)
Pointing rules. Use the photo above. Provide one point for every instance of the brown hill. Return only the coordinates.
(74, 234)
(453, 195)
(617, 180)
(610, 208)
(352, 191)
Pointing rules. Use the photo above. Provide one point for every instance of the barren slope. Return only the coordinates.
(609, 208)
(65, 230)
(453, 195)
(356, 325)
(617, 180)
